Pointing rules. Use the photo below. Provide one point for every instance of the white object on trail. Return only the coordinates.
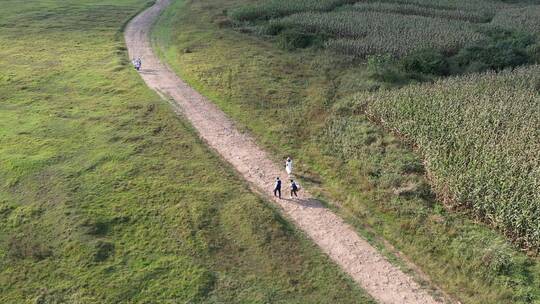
(288, 166)
(385, 282)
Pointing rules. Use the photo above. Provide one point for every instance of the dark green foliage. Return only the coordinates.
(503, 49)
(430, 62)
(294, 38)
(291, 39)
(98, 227)
(271, 29)
(385, 69)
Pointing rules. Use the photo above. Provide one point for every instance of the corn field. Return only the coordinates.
(525, 19)
(486, 7)
(398, 27)
(476, 16)
(480, 138)
(364, 33)
(483, 9)
(279, 8)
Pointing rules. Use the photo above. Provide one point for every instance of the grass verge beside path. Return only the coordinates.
(106, 196)
(285, 99)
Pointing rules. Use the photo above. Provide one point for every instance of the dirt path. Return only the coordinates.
(382, 280)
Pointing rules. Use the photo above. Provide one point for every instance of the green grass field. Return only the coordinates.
(107, 197)
(290, 100)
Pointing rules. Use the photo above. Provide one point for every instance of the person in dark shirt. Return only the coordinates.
(294, 188)
(277, 188)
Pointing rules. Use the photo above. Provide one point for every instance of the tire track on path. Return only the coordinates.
(382, 280)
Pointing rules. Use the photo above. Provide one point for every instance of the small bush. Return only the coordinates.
(427, 61)
(271, 29)
(291, 39)
(384, 68)
(498, 260)
(502, 50)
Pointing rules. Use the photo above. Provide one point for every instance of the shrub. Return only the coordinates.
(292, 38)
(384, 68)
(502, 50)
(427, 61)
(271, 29)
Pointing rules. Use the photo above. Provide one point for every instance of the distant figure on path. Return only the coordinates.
(277, 188)
(137, 63)
(294, 189)
(288, 166)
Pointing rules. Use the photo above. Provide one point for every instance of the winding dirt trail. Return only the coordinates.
(383, 281)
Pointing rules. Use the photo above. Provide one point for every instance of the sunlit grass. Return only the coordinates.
(106, 196)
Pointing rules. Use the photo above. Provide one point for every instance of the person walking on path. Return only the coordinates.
(277, 188)
(288, 166)
(294, 188)
(137, 63)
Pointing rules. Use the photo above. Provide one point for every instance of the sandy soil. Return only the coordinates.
(383, 281)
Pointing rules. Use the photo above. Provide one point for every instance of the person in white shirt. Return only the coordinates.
(288, 166)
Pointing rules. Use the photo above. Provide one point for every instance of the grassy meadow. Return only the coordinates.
(301, 101)
(106, 196)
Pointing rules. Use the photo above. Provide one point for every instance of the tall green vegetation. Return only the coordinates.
(107, 197)
(416, 9)
(279, 8)
(400, 28)
(524, 19)
(480, 137)
(367, 33)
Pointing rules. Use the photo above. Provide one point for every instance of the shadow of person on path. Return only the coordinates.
(148, 71)
(309, 179)
(305, 202)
